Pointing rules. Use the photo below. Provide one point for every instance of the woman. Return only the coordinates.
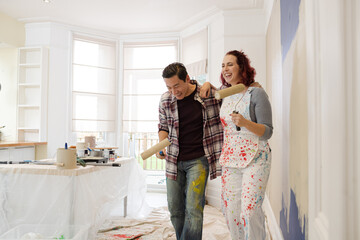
(246, 155)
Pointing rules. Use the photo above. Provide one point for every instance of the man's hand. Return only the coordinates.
(161, 154)
(256, 84)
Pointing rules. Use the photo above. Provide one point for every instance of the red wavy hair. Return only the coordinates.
(247, 72)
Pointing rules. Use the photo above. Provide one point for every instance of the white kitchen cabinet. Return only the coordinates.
(17, 153)
(4, 154)
(22, 153)
(32, 94)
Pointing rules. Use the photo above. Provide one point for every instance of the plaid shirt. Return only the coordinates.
(212, 136)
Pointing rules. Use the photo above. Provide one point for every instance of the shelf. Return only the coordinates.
(29, 129)
(28, 135)
(29, 95)
(32, 94)
(30, 55)
(28, 106)
(30, 65)
(30, 75)
(29, 85)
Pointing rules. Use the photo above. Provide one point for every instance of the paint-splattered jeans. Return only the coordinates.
(186, 198)
(243, 192)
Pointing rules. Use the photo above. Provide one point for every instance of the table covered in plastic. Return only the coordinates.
(62, 203)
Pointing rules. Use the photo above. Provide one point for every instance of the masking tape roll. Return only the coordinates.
(81, 145)
(67, 157)
(229, 91)
(156, 148)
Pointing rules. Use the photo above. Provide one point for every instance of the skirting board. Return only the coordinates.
(213, 201)
(272, 225)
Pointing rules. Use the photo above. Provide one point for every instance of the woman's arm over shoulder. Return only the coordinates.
(207, 90)
(260, 111)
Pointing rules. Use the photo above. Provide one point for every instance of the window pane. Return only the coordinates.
(140, 126)
(94, 54)
(93, 107)
(93, 126)
(94, 80)
(149, 57)
(144, 82)
(141, 107)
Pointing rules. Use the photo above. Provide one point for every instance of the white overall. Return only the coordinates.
(245, 162)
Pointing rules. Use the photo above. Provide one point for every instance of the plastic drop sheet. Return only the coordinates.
(67, 204)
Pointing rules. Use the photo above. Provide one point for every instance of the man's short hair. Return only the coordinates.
(177, 69)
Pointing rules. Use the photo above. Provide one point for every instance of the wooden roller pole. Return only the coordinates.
(156, 148)
(238, 88)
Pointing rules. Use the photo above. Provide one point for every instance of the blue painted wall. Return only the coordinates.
(289, 10)
(292, 224)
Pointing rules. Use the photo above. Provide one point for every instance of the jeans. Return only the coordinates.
(186, 198)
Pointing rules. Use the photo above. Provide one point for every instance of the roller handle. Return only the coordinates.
(156, 148)
(237, 128)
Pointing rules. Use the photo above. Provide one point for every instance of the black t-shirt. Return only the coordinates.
(190, 128)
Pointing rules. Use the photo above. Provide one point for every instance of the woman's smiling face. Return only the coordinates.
(231, 70)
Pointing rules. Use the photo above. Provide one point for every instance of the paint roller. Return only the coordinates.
(156, 148)
(229, 91)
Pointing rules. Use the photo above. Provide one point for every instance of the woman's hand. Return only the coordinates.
(205, 90)
(256, 128)
(238, 119)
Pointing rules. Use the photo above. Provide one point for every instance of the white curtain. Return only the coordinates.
(94, 85)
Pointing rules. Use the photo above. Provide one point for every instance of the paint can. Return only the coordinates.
(67, 157)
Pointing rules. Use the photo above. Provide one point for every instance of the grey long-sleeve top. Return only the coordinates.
(260, 111)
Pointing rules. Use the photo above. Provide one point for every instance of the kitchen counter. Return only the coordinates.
(21, 144)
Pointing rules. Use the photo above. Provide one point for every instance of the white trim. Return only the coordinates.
(213, 201)
(318, 223)
(149, 37)
(213, 192)
(352, 8)
(321, 227)
(268, 8)
(73, 28)
(271, 223)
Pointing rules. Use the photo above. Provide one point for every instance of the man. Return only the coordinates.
(193, 127)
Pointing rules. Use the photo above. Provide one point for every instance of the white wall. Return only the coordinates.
(12, 32)
(8, 93)
(12, 35)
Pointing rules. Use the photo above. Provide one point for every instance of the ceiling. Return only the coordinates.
(123, 16)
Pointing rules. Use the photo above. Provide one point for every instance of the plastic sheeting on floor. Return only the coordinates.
(157, 226)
